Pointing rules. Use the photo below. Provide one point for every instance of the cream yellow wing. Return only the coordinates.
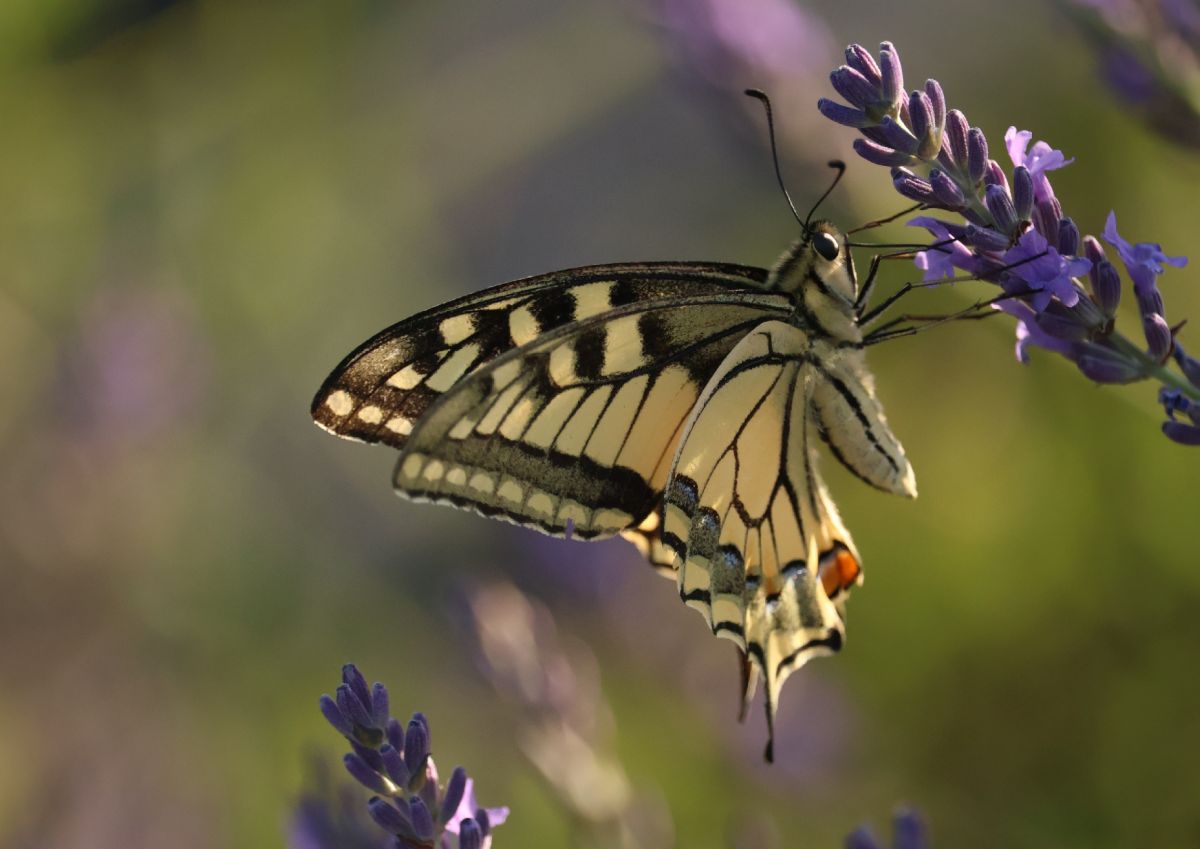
(758, 545)
(575, 431)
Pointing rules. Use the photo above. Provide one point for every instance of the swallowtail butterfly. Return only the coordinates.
(676, 404)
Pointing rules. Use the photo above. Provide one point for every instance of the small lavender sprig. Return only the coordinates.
(395, 762)
(908, 832)
(1149, 56)
(1014, 233)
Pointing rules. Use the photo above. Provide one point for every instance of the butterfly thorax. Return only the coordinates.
(817, 272)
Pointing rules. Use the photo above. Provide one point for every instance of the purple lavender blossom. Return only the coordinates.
(1014, 233)
(1183, 417)
(395, 762)
(777, 45)
(1147, 53)
(908, 832)
(1043, 270)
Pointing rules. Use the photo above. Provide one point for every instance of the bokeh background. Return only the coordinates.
(207, 203)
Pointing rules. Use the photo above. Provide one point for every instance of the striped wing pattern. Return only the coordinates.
(759, 547)
(577, 429)
(384, 387)
(675, 404)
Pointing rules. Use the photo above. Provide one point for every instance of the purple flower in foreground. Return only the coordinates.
(949, 254)
(1045, 271)
(1013, 232)
(908, 832)
(1144, 261)
(1029, 332)
(394, 761)
(1038, 160)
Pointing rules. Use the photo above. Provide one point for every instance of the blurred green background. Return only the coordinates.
(207, 203)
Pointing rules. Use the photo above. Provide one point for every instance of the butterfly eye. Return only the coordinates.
(827, 246)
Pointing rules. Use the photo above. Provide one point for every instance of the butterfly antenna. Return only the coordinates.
(761, 96)
(841, 169)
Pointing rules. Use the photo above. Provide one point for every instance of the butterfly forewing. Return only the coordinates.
(380, 391)
(577, 429)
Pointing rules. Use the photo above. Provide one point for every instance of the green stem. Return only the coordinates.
(1153, 368)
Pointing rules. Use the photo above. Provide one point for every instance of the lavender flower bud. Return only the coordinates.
(880, 155)
(891, 72)
(357, 683)
(390, 818)
(1106, 366)
(1150, 302)
(955, 137)
(379, 705)
(1068, 237)
(854, 87)
(845, 115)
(1190, 366)
(1062, 323)
(986, 239)
(364, 775)
(416, 745)
(484, 819)
(861, 60)
(1000, 205)
(897, 136)
(913, 187)
(422, 821)
(861, 838)
(1158, 337)
(352, 707)
(368, 754)
(1093, 250)
(335, 717)
(1022, 193)
(1046, 217)
(908, 830)
(977, 154)
(469, 835)
(454, 794)
(937, 100)
(394, 766)
(946, 190)
(1181, 432)
(994, 176)
(923, 128)
(395, 734)
(1106, 285)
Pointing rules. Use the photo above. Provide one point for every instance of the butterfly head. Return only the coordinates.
(818, 271)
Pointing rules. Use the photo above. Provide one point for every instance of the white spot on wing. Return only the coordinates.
(457, 328)
(522, 326)
(340, 403)
(400, 425)
(371, 414)
(406, 378)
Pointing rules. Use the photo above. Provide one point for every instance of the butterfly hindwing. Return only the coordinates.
(852, 423)
(380, 391)
(576, 430)
(758, 544)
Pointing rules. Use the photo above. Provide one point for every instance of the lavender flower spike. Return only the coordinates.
(410, 803)
(1019, 239)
